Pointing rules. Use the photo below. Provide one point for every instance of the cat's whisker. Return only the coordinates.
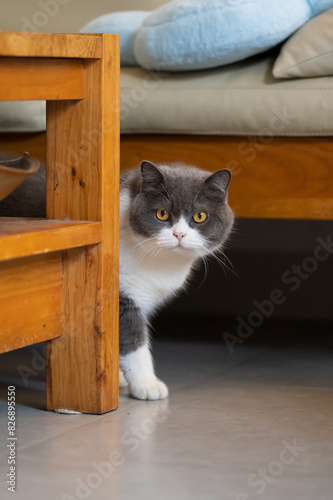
(153, 256)
(225, 265)
(144, 242)
(227, 259)
(146, 249)
(143, 248)
(205, 264)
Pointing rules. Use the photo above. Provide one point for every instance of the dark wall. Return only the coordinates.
(265, 255)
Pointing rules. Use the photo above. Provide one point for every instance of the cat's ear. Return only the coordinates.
(152, 177)
(216, 185)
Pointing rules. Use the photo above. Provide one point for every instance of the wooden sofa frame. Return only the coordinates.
(273, 177)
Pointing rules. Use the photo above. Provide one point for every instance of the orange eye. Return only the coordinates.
(162, 214)
(200, 217)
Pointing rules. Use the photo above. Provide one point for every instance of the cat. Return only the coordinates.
(28, 199)
(171, 217)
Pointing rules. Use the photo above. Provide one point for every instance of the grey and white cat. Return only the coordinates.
(171, 216)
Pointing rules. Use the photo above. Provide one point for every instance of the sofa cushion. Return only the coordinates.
(125, 24)
(185, 35)
(22, 116)
(239, 99)
(309, 52)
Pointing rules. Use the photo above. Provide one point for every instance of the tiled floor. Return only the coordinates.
(255, 424)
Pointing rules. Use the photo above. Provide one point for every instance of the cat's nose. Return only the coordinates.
(179, 235)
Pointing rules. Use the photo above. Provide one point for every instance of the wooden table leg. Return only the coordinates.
(83, 184)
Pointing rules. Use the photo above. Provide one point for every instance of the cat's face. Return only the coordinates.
(182, 209)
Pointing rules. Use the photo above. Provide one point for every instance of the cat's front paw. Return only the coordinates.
(151, 389)
(122, 380)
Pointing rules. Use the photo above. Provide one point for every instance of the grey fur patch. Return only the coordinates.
(132, 326)
(28, 199)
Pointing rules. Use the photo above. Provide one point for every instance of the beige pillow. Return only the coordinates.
(309, 52)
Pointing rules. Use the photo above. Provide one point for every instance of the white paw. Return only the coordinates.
(151, 389)
(122, 380)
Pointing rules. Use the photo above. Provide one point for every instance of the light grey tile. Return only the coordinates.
(226, 432)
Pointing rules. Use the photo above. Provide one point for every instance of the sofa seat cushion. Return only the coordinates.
(238, 99)
(22, 116)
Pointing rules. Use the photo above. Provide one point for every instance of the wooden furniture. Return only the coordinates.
(286, 178)
(59, 276)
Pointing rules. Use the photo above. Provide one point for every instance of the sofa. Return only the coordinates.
(273, 133)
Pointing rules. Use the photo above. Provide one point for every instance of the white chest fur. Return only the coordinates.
(149, 287)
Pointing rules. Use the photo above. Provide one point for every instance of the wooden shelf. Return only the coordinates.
(59, 278)
(23, 237)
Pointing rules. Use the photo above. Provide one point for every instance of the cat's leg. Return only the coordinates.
(135, 358)
(139, 372)
(122, 380)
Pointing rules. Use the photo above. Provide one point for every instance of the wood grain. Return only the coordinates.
(287, 177)
(24, 237)
(31, 300)
(83, 184)
(40, 79)
(50, 45)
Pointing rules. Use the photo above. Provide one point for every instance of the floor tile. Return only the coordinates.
(255, 424)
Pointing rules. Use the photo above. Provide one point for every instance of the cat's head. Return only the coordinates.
(181, 209)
